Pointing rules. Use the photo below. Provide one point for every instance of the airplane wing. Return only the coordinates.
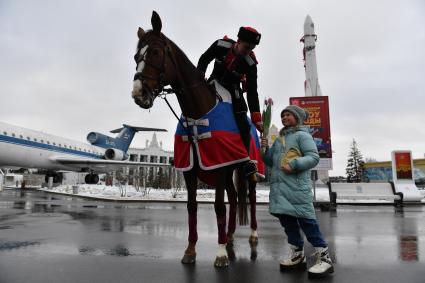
(101, 165)
(139, 129)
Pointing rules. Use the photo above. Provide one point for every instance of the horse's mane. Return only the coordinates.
(172, 45)
(182, 55)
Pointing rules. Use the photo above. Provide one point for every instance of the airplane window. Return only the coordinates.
(13, 134)
(79, 148)
(48, 142)
(60, 144)
(54, 143)
(21, 136)
(5, 133)
(35, 139)
(75, 147)
(28, 138)
(42, 141)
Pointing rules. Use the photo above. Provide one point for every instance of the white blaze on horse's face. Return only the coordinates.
(137, 84)
(141, 65)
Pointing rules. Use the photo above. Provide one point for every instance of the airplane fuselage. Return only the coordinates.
(21, 147)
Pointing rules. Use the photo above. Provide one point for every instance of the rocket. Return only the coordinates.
(311, 84)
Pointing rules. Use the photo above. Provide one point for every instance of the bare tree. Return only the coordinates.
(370, 160)
(122, 182)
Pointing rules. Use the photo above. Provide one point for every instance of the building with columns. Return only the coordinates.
(152, 153)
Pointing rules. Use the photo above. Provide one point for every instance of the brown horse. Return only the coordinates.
(160, 63)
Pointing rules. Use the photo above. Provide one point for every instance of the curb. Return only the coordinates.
(132, 200)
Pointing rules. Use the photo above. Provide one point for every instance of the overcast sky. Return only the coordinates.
(66, 67)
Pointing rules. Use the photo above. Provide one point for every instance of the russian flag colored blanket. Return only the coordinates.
(216, 137)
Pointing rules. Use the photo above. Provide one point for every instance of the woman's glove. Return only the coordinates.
(287, 169)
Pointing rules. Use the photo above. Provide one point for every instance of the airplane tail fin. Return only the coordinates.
(126, 134)
(122, 141)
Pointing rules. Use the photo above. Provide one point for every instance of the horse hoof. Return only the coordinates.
(230, 252)
(221, 261)
(253, 241)
(188, 259)
(253, 254)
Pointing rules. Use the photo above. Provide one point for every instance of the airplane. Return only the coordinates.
(25, 148)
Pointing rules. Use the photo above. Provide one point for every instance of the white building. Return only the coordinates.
(152, 153)
(155, 154)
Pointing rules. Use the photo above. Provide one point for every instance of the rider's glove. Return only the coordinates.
(256, 119)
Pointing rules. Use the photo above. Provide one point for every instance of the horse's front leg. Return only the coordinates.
(221, 259)
(192, 208)
(253, 238)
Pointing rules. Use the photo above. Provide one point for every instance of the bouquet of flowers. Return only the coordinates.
(267, 117)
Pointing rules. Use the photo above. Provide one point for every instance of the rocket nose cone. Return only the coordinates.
(308, 25)
(308, 19)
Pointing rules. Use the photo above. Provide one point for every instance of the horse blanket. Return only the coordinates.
(216, 137)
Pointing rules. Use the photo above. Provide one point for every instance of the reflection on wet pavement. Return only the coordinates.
(409, 248)
(7, 246)
(36, 224)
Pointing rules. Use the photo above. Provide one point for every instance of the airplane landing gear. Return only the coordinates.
(92, 179)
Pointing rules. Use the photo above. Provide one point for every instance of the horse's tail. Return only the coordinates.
(242, 189)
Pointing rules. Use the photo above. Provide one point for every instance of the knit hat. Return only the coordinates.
(300, 114)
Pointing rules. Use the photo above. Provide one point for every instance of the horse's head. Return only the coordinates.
(152, 70)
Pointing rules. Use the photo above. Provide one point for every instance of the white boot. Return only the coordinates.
(323, 264)
(295, 261)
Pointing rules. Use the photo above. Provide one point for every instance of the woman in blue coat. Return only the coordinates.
(291, 157)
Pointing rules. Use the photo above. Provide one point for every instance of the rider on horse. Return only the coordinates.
(235, 64)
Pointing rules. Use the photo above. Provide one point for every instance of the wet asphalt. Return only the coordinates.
(54, 238)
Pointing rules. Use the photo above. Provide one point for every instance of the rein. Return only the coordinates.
(162, 92)
(163, 95)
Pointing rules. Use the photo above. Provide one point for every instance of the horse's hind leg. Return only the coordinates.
(253, 238)
(221, 259)
(192, 208)
(231, 227)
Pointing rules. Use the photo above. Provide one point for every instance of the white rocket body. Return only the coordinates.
(311, 85)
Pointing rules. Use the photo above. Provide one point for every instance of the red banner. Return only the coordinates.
(318, 109)
(403, 165)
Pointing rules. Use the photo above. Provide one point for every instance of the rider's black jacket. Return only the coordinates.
(229, 70)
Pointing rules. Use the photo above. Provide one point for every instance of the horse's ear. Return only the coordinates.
(140, 33)
(156, 23)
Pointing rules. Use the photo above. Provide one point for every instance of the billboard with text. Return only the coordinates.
(319, 122)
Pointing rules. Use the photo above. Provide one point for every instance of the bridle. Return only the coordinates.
(160, 79)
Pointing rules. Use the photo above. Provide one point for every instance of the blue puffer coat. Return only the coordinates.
(292, 193)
